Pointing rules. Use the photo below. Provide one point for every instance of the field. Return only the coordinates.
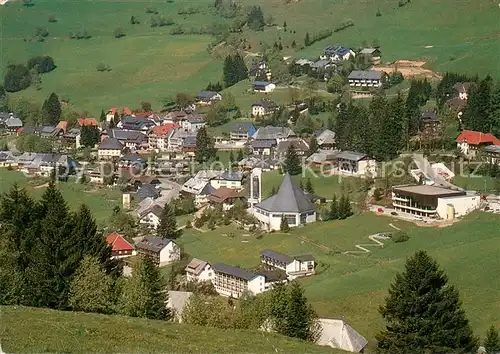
(449, 35)
(100, 201)
(353, 286)
(148, 64)
(41, 330)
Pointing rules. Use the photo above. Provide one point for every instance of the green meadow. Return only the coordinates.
(352, 286)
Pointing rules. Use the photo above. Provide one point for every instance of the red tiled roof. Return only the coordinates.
(163, 130)
(475, 138)
(118, 243)
(125, 110)
(143, 114)
(87, 121)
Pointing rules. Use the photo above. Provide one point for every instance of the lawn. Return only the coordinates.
(42, 330)
(148, 64)
(353, 286)
(100, 201)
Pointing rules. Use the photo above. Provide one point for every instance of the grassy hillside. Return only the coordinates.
(353, 286)
(41, 330)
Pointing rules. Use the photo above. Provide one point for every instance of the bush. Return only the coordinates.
(188, 224)
(17, 78)
(119, 33)
(400, 236)
(52, 18)
(101, 67)
(43, 64)
(199, 222)
(211, 224)
(41, 32)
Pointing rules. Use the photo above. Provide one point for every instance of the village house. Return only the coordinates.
(87, 122)
(263, 86)
(134, 140)
(323, 68)
(323, 157)
(469, 142)
(300, 146)
(109, 149)
(297, 266)
(10, 122)
(226, 197)
(208, 97)
(262, 162)
(117, 111)
(233, 281)
(136, 124)
(372, 55)
(189, 146)
(192, 122)
(262, 147)
(263, 108)
(199, 186)
(120, 248)
(325, 139)
(151, 217)
(360, 80)
(429, 123)
(290, 203)
(462, 89)
(73, 136)
(260, 71)
(492, 153)
(158, 136)
(198, 270)
(337, 53)
(242, 131)
(145, 191)
(233, 180)
(162, 251)
(7, 159)
(356, 164)
(44, 164)
(133, 161)
(176, 138)
(273, 133)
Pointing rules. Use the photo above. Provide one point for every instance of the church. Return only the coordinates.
(290, 202)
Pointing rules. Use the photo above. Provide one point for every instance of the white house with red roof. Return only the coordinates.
(158, 136)
(120, 247)
(470, 141)
(112, 111)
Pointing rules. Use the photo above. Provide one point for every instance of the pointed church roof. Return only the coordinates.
(289, 199)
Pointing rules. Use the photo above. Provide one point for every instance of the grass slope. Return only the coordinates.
(42, 330)
(353, 286)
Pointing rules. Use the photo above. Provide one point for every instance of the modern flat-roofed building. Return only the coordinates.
(365, 79)
(432, 201)
(233, 281)
(296, 266)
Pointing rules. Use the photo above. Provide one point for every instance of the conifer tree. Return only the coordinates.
(423, 312)
(102, 117)
(292, 162)
(51, 110)
(300, 317)
(309, 186)
(333, 213)
(91, 289)
(231, 157)
(240, 155)
(476, 114)
(342, 207)
(284, 227)
(168, 224)
(144, 294)
(307, 40)
(492, 341)
(313, 146)
(204, 146)
(494, 110)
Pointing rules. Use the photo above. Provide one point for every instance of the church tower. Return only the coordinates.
(255, 187)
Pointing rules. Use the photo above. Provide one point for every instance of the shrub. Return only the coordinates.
(101, 67)
(43, 64)
(199, 222)
(188, 224)
(119, 33)
(52, 18)
(41, 32)
(211, 224)
(400, 236)
(378, 14)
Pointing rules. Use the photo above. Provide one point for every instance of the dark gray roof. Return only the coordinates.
(266, 103)
(153, 243)
(492, 148)
(137, 123)
(321, 63)
(429, 116)
(133, 158)
(260, 83)
(189, 141)
(304, 258)
(298, 144)
(280, 257)
(234, 271)
(244, 127)
(127, 135)
(368, 50)
(155, 209)
(365, 75)
(72, 133)
(263, 144)
(146, 191)
(230, 176)
(110, 144)
(13, 122)
(270, 132)
(351, 155)
(206, 95)
(273, 275)
(288, 199)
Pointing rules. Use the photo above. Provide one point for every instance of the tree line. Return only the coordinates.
(20, 76)
(57, 258)
(234, 69)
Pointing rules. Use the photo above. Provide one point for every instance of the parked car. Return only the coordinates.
(418, 218)
(394, 213)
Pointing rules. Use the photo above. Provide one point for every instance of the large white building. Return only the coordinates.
(290, 202)
(356, 164)
(233, 281)
(198, 270)
(297, 266)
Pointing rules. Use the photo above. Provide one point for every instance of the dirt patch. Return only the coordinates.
(409, 68)
(45, 185)
(428, 46)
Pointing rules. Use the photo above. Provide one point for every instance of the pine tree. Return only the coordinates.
(292, 162)
(240, 155)
(492, 341)
(280, 46)
(284, 25)
(313, 146)
(379, 121)
(102, 117)
(231, 157)
(89, 135)
(168, 224)
(91, 290)
(301, 320)
(284, 227)
(494, 110)
(342, 207)
(309, 186)
(307, 40)
(423, 312)
(51, 110)
(204, 146)
(144, 293)
(333, 213)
